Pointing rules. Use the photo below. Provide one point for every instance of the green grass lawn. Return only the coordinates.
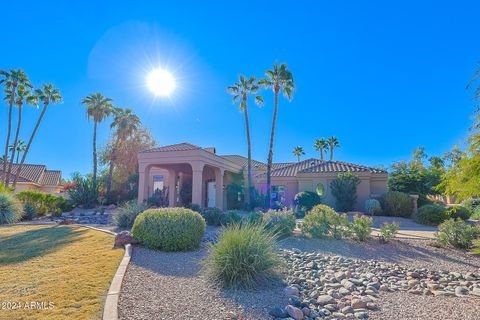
(68, 267)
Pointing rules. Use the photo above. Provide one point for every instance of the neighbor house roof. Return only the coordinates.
(257, 165)
(35, 173)
(184, 146)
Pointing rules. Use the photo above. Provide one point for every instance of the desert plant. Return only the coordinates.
(476, 250)
(471, 204)
(476, 214)
(431, 214)
(169, 229)
(127, 213)
(10, 208)
(456, 233)
(307, 200)
(344, 189)
(361, 227)
(397, 204)
(29, 212)
(388, 231)
(254, 217)
(84, 191)
(281, 222)
(459, 211)
(316, 222)
(373, 207)
(244, 256)
(212, 216)
(230, 217)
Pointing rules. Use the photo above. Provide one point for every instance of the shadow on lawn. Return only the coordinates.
(23, 246)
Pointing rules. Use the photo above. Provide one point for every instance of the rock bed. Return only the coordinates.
(335, 287)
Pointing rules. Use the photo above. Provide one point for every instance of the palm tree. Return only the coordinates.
(278, 79)
(23, 94)
(47, 95)
(240, 91)
(332, 144)
(21, 146)
(99, 107)
(321, 145)
(125, 123)
(11, 80)
(298, 152)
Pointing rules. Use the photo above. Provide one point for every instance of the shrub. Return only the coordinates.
(476, 250)
(361, 227)
(459, 211)
(323, 220)
(230, 217)
(456, 233)
(10, 208)
(476, 214)
(83, 192)
(169, 229)
(397, 204)
(388, 232)
(306, 200)
(29, 212)
(254, 217)
(127, 213)
(300, 212)
(373, 207)
(244, 256)
(195, 207)
(281, 222)
(235, 196)
(344, 189)
(44, 203)
(431, 214)
(212, 216)
(471, 204)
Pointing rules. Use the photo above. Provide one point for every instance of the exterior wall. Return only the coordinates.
(23, 186)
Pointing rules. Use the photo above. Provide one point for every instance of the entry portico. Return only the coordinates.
(169, 168)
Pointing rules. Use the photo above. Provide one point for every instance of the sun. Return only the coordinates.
(161, 82)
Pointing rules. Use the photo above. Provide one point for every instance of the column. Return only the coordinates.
(172, 179)
(219, 188)
(197, 183)
(143, 177)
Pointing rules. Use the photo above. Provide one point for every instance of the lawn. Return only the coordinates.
(66, 271)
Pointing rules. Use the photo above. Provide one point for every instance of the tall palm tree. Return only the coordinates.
(47, 95)
(99, 108)
(321, 145)
(240, 91)
(278, 79)
(332, 144)
(21, 146)
(11, 79)
(125, 123)
(298, 152)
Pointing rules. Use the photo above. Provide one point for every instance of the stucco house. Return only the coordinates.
(36, 177)
(168, 167)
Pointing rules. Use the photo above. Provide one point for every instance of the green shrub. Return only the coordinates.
(254, 217)
(344, 189)
(361, 227)
(235, 196)
(471, 204)
(397, 204)
(323, 220)
(212, 216)
(83, 192)
(388, 231)
(300, 212)
(169, 229)
(195, 207)
(431, 214)
(244, 256)
(476, 214)
(459, 211)
(306, 200)
(44, 203)
(281, 222)
(373, 207)
(29, 212)
(230, 217)
(476, 249)
(10, 208)
(127, 213)
(456, 233)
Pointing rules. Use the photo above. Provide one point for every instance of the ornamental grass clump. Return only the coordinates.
(245, 256)
(127, 213)
(11, 209)
(169, 229)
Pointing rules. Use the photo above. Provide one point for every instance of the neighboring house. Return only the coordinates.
(36, 177)
(169, 167)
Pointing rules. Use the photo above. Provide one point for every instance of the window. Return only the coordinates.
(278, 196)
(320, 189)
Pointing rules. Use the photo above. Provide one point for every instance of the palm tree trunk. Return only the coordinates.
(15, 143)
(321, 154)
(110, 171)
(9, 129)
(249, 155)
(270, 151)
(18, 154)
(24, 156)
(94, 153)
(331, 153)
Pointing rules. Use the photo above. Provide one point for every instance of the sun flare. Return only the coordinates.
(161, 82)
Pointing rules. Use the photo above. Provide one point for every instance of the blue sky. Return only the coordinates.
(382, 77)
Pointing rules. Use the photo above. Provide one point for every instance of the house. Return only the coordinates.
(169, 167)
(35, 177)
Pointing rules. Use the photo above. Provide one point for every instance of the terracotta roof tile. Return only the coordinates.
(184, 146)
(338, 166)
(36, 173)
(51, 178)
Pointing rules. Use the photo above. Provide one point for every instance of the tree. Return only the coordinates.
(332, 144)
(11, 80)
(99, 108)
(298, 152)
(278, 79)
(240, 91)
(47, 95)
(321, 145)
(21, 146)
(125, 123)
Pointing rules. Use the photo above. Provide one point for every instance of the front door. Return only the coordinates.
(211, 193)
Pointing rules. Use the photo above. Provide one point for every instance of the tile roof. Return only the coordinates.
(291, 169)
(184, 146)
(36, 173)
(51, 178)
(242, 161)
